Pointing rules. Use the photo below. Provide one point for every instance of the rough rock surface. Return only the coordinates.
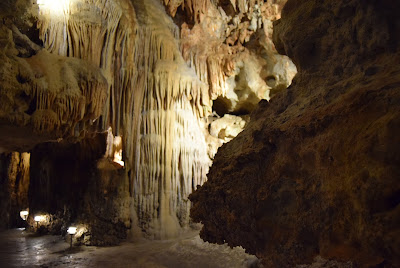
(316, 171)
(14, 181)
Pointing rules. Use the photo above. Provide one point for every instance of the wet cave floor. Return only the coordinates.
(19, 248)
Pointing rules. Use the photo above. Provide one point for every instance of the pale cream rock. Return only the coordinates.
(227, 127)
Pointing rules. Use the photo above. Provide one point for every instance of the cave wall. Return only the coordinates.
(78, 185)
(14, 184)
(316, 171)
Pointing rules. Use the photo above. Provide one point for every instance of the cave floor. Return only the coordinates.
(19, 248)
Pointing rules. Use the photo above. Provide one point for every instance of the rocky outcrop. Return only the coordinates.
(316, 171)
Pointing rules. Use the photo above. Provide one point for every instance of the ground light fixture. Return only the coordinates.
(37, 220)
(71, 231)
(24, 214)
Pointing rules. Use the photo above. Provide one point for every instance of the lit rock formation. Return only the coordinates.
(45, 96)
(169, 90)
(316, 171)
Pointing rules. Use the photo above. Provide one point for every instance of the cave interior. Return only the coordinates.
(270, 125)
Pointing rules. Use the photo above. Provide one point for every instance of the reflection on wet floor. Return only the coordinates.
(22, 249)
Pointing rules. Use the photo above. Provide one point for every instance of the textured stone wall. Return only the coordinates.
(74, 185)
(14, 184)
(316, 171)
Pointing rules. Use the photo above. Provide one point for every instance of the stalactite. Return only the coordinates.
(65, 91)
(216, 61)
(209, 69)
(198, 9)
(66, 32)
(98, 32)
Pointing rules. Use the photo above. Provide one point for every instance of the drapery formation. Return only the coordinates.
(161, 82)
(155, 101)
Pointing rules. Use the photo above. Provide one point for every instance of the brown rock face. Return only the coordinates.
(317, 169)
(14, 181)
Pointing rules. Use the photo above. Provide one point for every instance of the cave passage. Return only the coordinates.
(156, 129)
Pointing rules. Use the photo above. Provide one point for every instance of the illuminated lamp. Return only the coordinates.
(71, 231)
(24, 214)
(37, 220)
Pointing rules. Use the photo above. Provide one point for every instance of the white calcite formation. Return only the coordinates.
(153, 80)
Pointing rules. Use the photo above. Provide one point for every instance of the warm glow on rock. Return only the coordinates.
(118, 153)
(114, 148)
(56, 7)
(118, 158)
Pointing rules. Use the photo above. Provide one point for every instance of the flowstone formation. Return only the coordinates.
(43, 96)
(148, 89)
(316, 171)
